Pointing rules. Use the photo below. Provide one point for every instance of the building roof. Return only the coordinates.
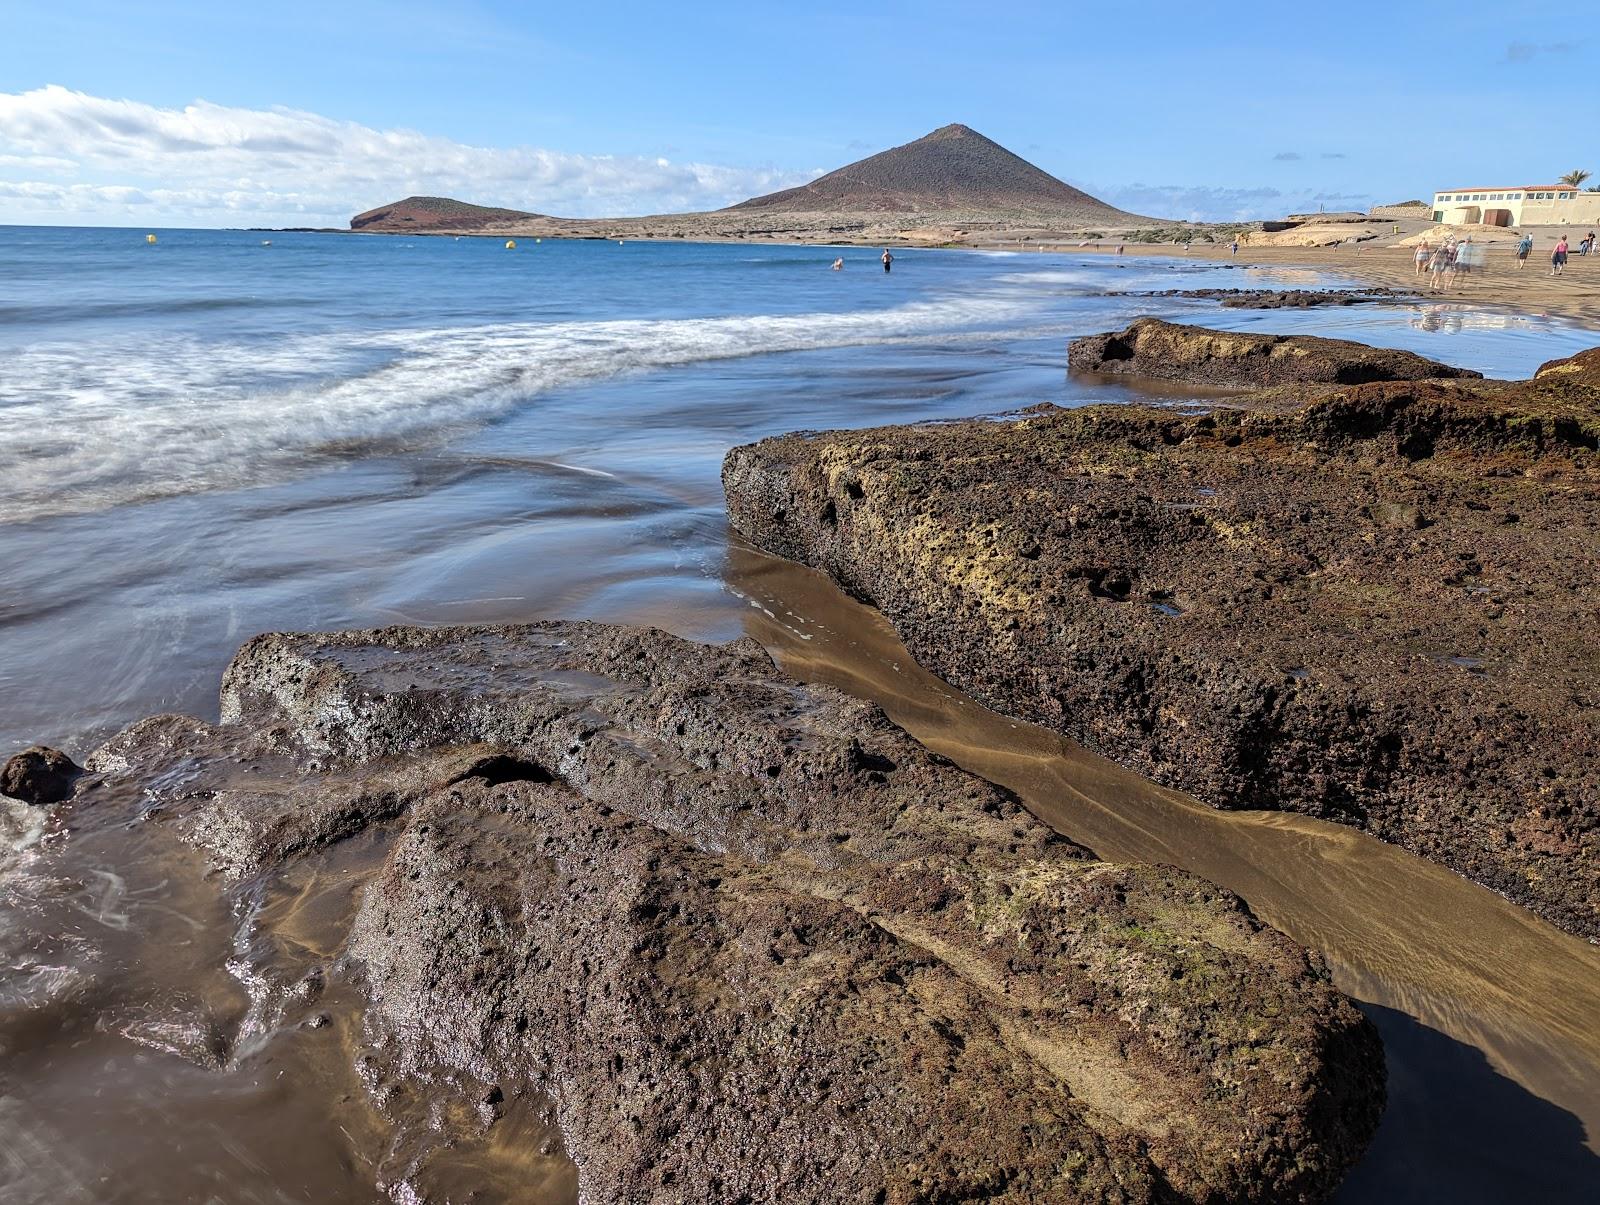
(1511, 188)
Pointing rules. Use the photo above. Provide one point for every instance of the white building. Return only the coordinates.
(1524, 205)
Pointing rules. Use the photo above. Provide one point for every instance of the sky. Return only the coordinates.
(163, 113)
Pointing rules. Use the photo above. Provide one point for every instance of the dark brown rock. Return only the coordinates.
(39, 775)
(1377, 606)
(754, 942)
(1168, 351)
(1284, 299)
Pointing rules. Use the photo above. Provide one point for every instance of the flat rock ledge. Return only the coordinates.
(1374, 604)
(1170, 351)
(1285, 299)
(754, 942)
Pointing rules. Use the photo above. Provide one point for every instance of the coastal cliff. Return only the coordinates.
(1372, 603)
(751, 940)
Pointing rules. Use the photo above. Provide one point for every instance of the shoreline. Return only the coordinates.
(1531, 290)
(1499, 285)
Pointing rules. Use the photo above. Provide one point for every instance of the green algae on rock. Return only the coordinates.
(751, 940)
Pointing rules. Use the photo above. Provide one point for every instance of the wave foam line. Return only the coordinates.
(125, 421)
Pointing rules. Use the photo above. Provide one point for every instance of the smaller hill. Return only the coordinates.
(432, 213)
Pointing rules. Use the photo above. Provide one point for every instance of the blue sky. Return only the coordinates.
(166, 113)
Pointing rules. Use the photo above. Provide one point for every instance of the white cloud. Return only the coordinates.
(1523, 52)
(1210, 204)
(216, 165)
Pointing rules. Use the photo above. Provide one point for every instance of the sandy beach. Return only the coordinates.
(1532, 289)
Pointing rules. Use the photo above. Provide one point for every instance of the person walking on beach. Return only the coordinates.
(1423, 255)
(1558, 258)
(1524, 248)
(1233, 247)
(1587, 245)
(887, 259)
(1438, 265)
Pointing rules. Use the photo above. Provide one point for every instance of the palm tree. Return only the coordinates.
(1575, 178)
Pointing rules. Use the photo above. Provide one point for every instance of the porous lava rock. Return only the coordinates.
(1373, 604)
(1284, 299)
(1171, 351)
(754, 942)
(39, 775)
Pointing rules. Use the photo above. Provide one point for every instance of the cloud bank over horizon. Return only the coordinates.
(67, 157)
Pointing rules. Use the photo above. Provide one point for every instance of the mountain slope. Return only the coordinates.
(952, 169)
(429, 213)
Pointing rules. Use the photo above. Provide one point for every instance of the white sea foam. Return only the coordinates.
(89, 426)
(1089, 281)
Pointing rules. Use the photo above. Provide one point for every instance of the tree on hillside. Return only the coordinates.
(1575, 178)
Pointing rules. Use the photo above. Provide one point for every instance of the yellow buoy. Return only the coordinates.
(149, 238)
(511, 244)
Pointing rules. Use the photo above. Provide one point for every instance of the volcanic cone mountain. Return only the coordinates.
(953, 169)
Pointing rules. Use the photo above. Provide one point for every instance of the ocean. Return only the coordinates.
(209, 436)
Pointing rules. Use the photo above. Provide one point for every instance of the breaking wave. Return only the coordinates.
(94, 426)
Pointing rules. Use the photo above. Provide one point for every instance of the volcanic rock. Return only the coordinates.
(1374, 604)
(754, 942)
(1170, 351)
(1283, 299)
(39, 775)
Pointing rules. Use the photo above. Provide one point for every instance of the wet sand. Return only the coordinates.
(1490, 1018)
(1530, 290)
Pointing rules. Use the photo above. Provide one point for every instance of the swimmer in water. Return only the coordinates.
(838, 264)
(887, 259)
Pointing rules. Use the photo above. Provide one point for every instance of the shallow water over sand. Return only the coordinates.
(357, 432)
(1490, 1018)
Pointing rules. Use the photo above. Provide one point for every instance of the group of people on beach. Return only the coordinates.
(1449, 259)
(1454, 257)
(1558, 257)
